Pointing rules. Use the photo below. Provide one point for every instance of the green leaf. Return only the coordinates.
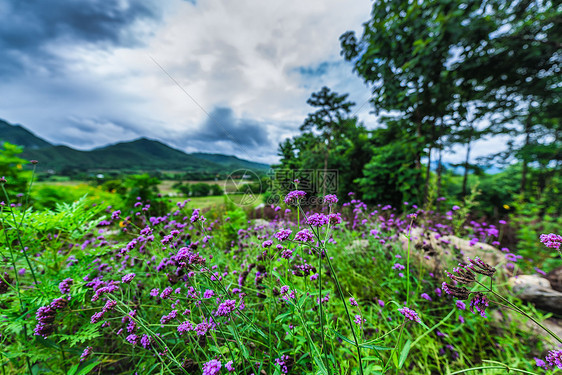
(88, 368)
(404, 353)
(73, 369)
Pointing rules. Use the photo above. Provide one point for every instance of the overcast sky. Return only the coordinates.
(229, 77)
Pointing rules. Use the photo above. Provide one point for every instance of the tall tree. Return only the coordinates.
(330, 120)
(405, 53)
(512, 63)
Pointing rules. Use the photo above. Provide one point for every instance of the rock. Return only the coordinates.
(522, 281)
(555, 278)
(440, 252)
(360, 243)
(538, 291)
(261, 222)
(499, 319)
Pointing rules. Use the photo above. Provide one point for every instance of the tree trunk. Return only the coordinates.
(326, 155)
(525, 156)
(466, 163)
(427, 174)
(439, 173)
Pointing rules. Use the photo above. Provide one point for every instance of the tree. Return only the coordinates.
(200, 189)
(390, 176)
(11, 166)
(331, 139)
(405, 53)
(330, 120)
(512, 63)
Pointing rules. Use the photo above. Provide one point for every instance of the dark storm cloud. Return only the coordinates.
(84, 133)
(29, 27)
(222, 126)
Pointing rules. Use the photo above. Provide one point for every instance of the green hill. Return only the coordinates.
(18, 135)
(231, 161)
(139, 155)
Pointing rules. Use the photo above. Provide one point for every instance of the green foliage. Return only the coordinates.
(531, 219)
(144, 188)
(200, 189)
(76, 241)
(331, 140)
(11, 168)
(391, 176)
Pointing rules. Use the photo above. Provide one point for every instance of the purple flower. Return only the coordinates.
(283, 234)
(229, 366)
(398, 266)
(86, 353)
(461, 305)
(540, 363)
(208, 294)
(166, 292)
(353, 302)
(167, 318)
(334, 219)
(294, 196)
(266, 244)
(212, 367)
(479, 303)
(358, 320)
(304, 236)
(115, 215)
(456, 208)
(552, 241)
(226, 307)
(410, 314)
(331, 199)
(425, 296)
(185, 327)
(109, 305)
(317, 220)
(96, 317)
(133, 339)
(65, 285)
(554, 358)
(128, 278)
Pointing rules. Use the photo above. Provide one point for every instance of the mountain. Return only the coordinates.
(230, 161)
(18, 135)
(142, 154)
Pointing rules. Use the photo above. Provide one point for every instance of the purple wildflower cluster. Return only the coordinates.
(226, 308)
(304, 236)
(294, 196)
(282, 363)
(283, 234)
(410, 314)
(86, 353)
(330, 199)
(64, 286)
(212, 367)
(46, 317)
(552, 241)
(317, 220)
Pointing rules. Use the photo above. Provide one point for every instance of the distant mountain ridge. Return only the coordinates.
(142, 154)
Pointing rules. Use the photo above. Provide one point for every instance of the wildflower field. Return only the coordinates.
(339, 288)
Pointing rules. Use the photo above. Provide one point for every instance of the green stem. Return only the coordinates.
(521, 312)
(504, 367)
(346, 313)
(19, 237)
